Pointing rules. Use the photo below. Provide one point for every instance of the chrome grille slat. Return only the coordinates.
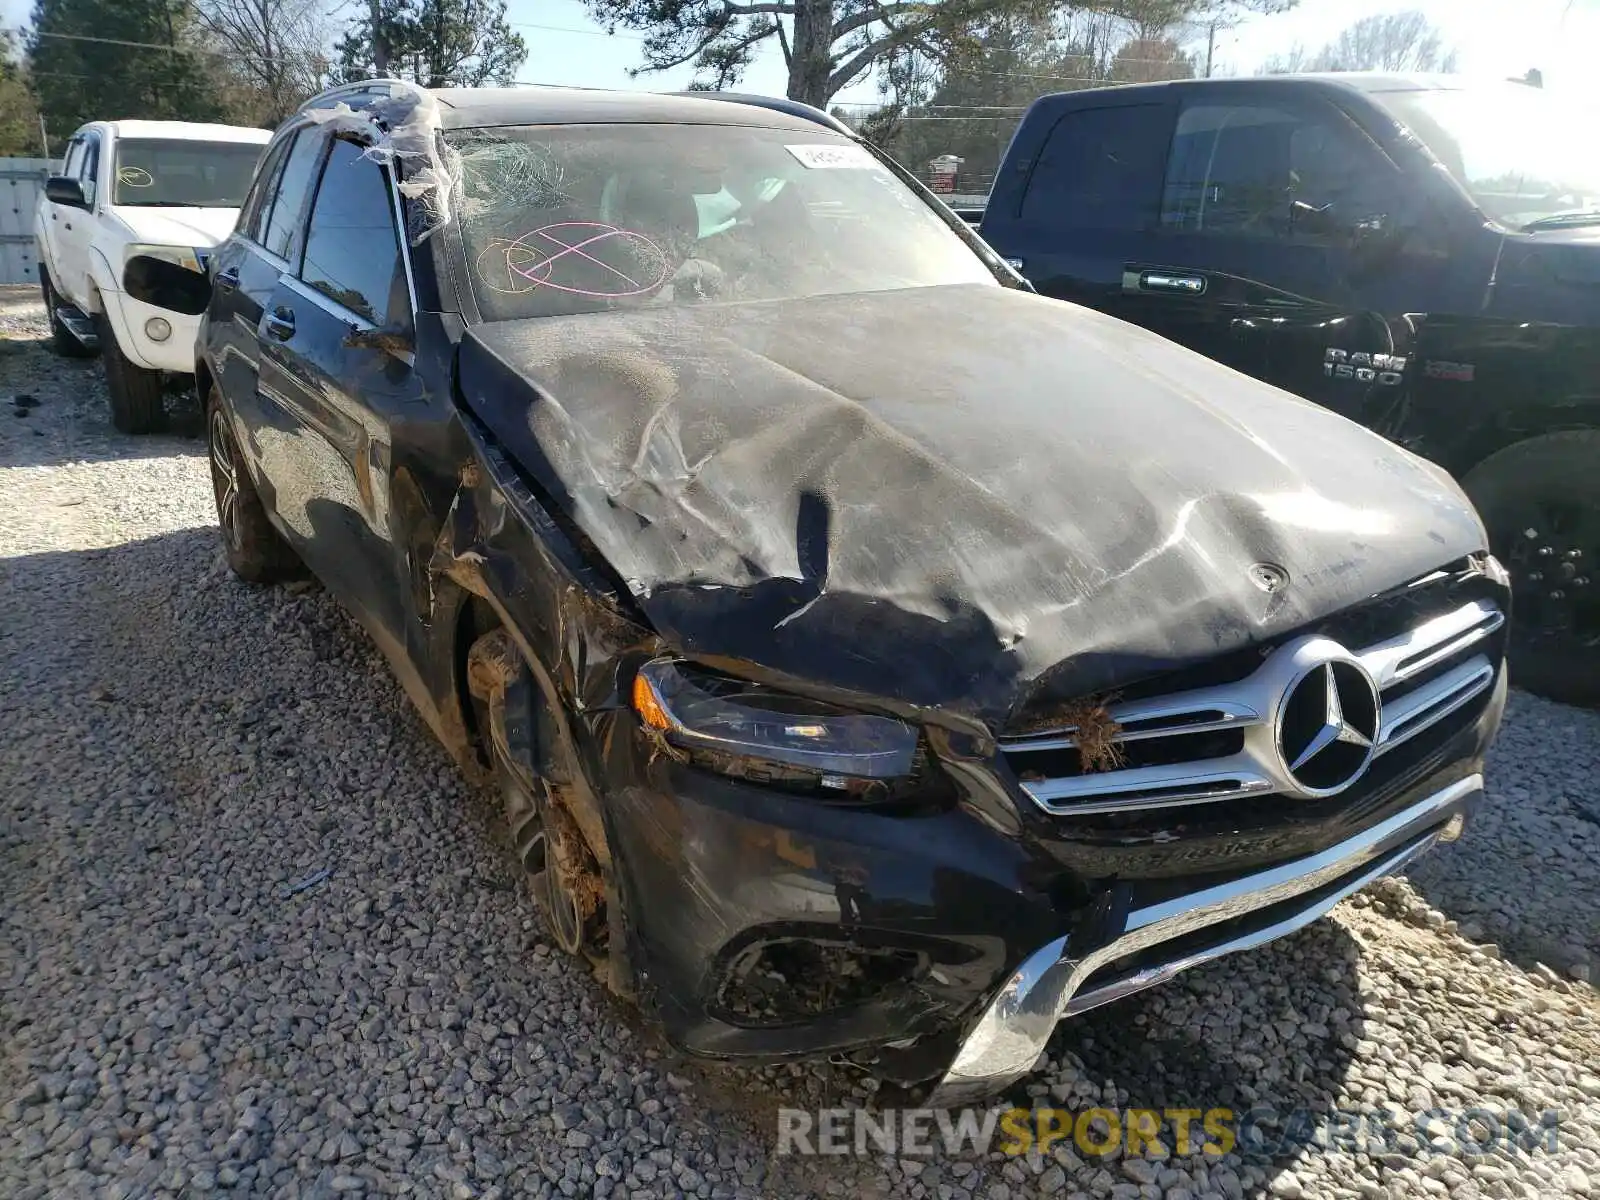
(1202, 782)
(1409, 655)
(1249, 707)
(1235, 716)
(1432, 702)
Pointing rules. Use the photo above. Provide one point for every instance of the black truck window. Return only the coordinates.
(1272, 171)
(1101, 168)
(352, 250)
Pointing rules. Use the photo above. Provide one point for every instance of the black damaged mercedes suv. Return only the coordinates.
(875, 657)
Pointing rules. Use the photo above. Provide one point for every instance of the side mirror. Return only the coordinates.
(63, 189)
(166, 285)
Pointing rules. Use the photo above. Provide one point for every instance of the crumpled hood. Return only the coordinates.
(196, 227)
(940, 496)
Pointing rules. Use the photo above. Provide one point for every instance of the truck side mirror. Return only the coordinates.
(63, 189)
(166, 285)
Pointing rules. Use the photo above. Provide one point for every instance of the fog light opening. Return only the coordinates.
(798, 979)
(157, 329)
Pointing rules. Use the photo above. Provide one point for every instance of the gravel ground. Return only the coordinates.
(237, 955)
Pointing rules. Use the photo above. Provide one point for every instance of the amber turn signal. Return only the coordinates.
(647, 705)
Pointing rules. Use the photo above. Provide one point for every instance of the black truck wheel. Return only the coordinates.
(256, 552)
(1540, 500)
(136, 392)
(62, 340)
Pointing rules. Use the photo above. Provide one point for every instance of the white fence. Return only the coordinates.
(21, 181)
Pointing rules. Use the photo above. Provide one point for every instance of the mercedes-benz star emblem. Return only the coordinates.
(1328, 726)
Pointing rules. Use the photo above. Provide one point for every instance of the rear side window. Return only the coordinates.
(1101, 168)
(352, 251)
(299, 172)
(1272, 171)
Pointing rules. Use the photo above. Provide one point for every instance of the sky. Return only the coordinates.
(1493, 37)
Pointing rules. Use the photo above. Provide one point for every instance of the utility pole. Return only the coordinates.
(44, 137)
(1211, 46)
(380, 43)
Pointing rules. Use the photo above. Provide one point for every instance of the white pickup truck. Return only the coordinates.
(169, 189)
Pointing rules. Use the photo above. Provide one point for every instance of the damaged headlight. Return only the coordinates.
(183, 256)
(698, 710)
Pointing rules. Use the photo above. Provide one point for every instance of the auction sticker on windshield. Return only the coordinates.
(837, 155)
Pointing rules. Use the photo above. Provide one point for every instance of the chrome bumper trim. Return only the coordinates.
(1049, 985)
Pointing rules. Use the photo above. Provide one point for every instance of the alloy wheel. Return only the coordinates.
(225, 478)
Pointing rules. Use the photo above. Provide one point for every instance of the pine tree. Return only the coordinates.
(436, 43)
(83, 68)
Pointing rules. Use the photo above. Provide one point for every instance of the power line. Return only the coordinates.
(632, 37)
(170, 49)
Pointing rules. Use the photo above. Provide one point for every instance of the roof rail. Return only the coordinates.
(356, 94)
(778, 104)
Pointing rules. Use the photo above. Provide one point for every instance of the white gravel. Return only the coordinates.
(178, 750)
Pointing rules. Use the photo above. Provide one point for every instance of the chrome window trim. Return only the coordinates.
(398, 212)
(327, 303)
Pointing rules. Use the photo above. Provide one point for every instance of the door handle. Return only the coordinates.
(280, 323)
(228, 280)
(1167, 281)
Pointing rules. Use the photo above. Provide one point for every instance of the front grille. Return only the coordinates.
(1434, 655)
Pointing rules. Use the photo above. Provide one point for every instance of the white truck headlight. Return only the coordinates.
(183, 256)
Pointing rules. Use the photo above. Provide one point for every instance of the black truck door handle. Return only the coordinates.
(280, 323)
(228, 280)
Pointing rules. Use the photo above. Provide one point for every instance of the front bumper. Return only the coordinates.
(1057, 981)
(1009, 933)
(175, 353)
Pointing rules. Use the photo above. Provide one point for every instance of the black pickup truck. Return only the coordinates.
(1421, 254)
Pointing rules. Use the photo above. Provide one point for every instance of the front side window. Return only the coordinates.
(89, 171)
(1271, 171)
(74, 159)
(1524, 155)
(1100, 169)
(170, 173)
(570, 219)
(289, 198)
(352, 251)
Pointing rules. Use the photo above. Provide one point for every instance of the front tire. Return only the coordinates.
(136, 392)
(1540, 500)
(256, 552)
(558, 866)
